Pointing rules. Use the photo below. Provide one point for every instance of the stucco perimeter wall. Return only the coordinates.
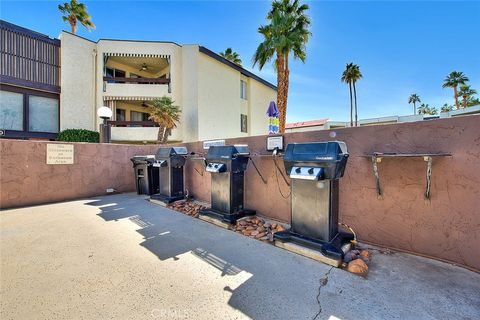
(446, 227)
(26, 179)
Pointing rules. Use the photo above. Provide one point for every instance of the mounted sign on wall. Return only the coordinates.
(274, 142)
(59, 153)
(208, 144)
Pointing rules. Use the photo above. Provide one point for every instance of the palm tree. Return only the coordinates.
(467, 93)
(166, 115)
(425, 109)
(473, 102)
(446, 108)
(414, 98)
(287, 32)
(347, 78)
(454, 79)
(75, 11)
(232, 56)
(356, 75)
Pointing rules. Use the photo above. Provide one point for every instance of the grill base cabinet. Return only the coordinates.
(315, 169)
(146, 175)
(170, 163)
(227, 165)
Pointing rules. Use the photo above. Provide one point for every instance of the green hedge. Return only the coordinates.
(78, 135)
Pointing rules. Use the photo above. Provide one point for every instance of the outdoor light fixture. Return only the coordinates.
(104, 113)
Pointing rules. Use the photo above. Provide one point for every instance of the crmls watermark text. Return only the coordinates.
(171, 314)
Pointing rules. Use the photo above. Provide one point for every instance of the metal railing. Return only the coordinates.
(114, 123)
(136, 80)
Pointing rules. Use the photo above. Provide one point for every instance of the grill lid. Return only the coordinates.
(227, 152)
(143, 159)
(171, 151)
(316, 151)
(302, 160)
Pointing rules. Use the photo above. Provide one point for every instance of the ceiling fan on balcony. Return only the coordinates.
(144, 104)
(144, 67)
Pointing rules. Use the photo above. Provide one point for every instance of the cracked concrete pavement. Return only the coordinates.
(121, 257)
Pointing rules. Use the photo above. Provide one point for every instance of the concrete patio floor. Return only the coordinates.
(122, 257)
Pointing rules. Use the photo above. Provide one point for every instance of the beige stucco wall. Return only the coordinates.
(189, 104)
(218, 100)
(77, 99)
(259, 98)
(220, 104)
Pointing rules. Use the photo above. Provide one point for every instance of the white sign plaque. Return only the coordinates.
(59, 153)
(274, 142)
(208, 144)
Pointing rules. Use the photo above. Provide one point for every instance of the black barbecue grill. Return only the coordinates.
(146, 175)
(227, 165)
(314, 170)
(170, 162)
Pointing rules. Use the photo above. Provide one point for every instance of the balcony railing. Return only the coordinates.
(136, 80)
(114, 123)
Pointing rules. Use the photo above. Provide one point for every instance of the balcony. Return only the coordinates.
(137, 76)
(136, 87)
(133, 130)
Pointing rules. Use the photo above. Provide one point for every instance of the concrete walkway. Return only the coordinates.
(124, 258)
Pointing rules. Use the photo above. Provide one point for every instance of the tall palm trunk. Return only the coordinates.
(351, 104)
(286, 77)
(281, 103)
(455, 94)
(161, 134)
(414, 108)
(355, 96)
(167, 134)
(465, 101)
(73, 23)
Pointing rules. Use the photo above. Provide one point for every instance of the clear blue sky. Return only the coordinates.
(402, 47)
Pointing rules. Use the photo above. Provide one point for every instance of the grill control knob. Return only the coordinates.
(298, 170)
(209, 164)
(216, 166)
(310, 171)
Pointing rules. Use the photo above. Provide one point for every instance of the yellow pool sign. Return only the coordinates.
(60, 153)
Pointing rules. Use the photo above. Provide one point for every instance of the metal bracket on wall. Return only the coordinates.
(376, 158)
(429, 176)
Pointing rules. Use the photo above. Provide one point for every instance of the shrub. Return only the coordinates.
(78, 135)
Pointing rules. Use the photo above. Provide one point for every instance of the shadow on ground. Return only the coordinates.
(285, 286)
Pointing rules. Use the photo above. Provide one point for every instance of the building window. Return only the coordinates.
(243, 89)
(139, 116)
(243, 123)
(26, 113)
(11, 111)
(114, 73)
(120, 115)
(43, 114)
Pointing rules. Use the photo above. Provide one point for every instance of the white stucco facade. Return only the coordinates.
(204, 85)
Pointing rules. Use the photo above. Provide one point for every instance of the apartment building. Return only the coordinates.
(29, 83)
(218, 98)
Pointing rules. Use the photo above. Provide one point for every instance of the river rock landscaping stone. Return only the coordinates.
(257, 228)
(189, 207)
(358, 266)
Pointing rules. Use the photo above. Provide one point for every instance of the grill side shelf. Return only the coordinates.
(376, 157)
